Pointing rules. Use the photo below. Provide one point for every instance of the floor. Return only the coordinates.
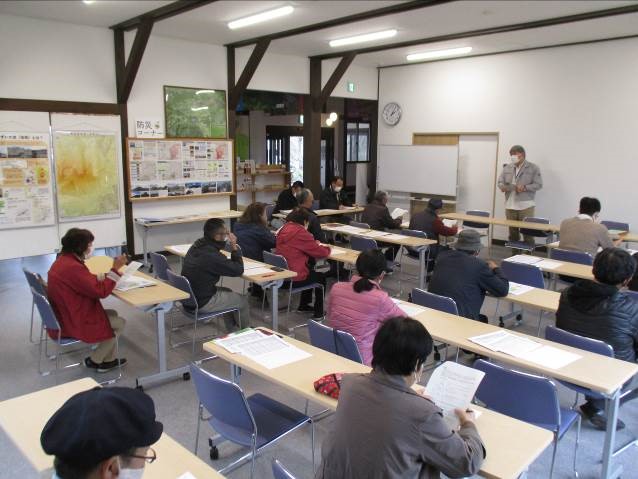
(176, 401)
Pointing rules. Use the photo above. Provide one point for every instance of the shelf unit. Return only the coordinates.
(257, 185)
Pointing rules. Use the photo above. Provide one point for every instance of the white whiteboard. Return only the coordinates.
(428, 169)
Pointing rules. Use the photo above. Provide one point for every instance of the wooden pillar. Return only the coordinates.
(312, 131)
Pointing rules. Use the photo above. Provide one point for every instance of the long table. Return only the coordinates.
(146, 224)
(156, 299)
(348, 210)
(566, 268)
(273, 279)
(506, 459)
(599, 373)
(24, 417)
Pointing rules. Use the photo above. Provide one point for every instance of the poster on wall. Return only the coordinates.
(194, 112)
(26, 193)
(87, 175)
(149, 128)
(173, 168)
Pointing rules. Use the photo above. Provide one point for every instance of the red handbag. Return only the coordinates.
(330, 385)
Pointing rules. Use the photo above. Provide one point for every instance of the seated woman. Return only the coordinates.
(253, 236)
(297, 245)
(385, 429)
(361, 306)
(75, 293)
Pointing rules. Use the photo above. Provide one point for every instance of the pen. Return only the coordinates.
(268, 275)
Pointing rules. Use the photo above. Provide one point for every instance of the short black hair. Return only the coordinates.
(614, 266)
(517, 149)
(299, 216)
(66, 470)
(335, 178)
(298, 184)
(77, 241)
(370, 264)
(213, 226)
(401, 346)
(589, 206)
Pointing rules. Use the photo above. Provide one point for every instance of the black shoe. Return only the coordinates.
(318, 316)
(597, 418)
(89, 363)
(305, 308)
(106, 366)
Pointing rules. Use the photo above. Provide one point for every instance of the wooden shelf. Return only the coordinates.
(265, 173)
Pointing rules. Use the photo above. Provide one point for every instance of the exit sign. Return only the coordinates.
(351, 87)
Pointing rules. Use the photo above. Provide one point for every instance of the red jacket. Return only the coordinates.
(297, 245)
(74, 293)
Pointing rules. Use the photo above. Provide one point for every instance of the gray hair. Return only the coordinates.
(303, 195)
(517, 149)
(380, 195)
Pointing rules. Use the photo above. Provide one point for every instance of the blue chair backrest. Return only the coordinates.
(476, 224)
(523, 274)
(616, 225)
(552, 333)
(275, 260)
(180, 282)
(160, 265)
(415, 234)
(269, 210)
(225, 401)
(35, 282)
(434, 301)
(334, 341)
(632, 294)
(315, 205)
(46, 311)
(579, 257)
(359, 243)
(535, 233)
(358, 224)
(279, 471)
(519, 395)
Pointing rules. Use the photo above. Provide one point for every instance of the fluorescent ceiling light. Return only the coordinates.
(199, 108)
(450, 52)
(260, 17)
(198, 92)
(88, 2)
(368, 37)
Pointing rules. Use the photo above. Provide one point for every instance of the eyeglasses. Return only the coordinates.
(149, 459)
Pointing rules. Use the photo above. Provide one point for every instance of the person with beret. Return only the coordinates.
(103, 433)
(429, 222)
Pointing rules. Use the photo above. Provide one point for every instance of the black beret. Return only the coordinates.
(435, 203)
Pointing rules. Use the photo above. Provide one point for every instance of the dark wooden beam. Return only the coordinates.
(120, 60)
(128, 206)
(232, 115)
(134, 60)
(337, 74)
(312, 131)
(248, 72)
(161, 13)
(357, 17)
(53, 106)
(548, 22)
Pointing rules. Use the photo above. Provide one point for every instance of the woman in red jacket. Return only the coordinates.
(75, 293)
(297, 245)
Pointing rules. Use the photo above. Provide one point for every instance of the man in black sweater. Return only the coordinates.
(204, 264)
(332, 198)
(287, 198)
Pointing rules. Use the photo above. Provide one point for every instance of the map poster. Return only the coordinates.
(26, 193)
(87, 175)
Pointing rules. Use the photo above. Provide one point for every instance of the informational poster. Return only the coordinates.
(172, 168)
(149, 128)
(87, 175)
(26, 193)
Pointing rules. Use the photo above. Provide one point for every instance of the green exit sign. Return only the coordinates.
(351, 86)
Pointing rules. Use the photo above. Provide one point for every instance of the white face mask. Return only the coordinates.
(337, 189)
(88, 253)
(131, 473)
(596, 218)
(514, 158)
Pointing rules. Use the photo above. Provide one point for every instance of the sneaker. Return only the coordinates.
(106, 366)
(305, 308)
(89, 363)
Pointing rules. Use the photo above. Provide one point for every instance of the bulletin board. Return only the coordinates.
(178, 168)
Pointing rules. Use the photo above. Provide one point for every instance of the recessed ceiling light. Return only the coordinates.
(368, 37)
(333, 116)
(260, 17)
(450, 52)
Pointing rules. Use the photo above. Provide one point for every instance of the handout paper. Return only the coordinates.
(548, 264)
(449, 223)
(131, 268)
(181, 248)
(270, 351)
(336, 251)
(258, 271)
(232, 341)
(408, 308)
(133, 282)
(550, 357)
(524, 259)
(517, 289)
(398, 212)
(375, 234)
(394, 237)
(505, 342)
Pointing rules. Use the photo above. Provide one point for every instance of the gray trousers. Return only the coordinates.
(519, 215)
(226, 298)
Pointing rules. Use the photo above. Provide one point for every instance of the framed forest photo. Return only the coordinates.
(194, 112)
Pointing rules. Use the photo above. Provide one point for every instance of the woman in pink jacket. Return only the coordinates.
(360, 306)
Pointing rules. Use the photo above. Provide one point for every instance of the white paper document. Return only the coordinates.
(350, 230)
(408, 308)
(524, 259)
(337, 251)
(133, 282)
(393, 237)
(181, 249)
(617, 232)
(450, 223)
(187, 475)
(550, 357)
(259, 270)
(505, 342)
(517, 289)
(452, 386)
(131, 268)
(548, 264)
(375, 234)
(234, 340)
(397, 213)
(252, 264)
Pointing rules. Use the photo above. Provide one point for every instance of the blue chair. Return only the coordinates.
(256, 421)
(359, 243)
(190, 309)
(315, 205)
(529, 398)
(279, 471)
(440, 303)
(358, 224)
(334, 341)
(281, 262)
(415, 253)
(579, 257)
(522, 245)
(160, 266)
(477, 225)
(632, 294)
(616, 225)
(51, 331)
(526, 274)
(38, 284)
(269, 210)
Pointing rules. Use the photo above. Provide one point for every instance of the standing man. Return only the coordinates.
(332, 198)
(520, 180)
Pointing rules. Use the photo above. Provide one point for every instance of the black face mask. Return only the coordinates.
(219, 244)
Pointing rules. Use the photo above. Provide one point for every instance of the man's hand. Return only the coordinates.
(520, 188)
(465, 416)
(119, 262)
(491, 264)
(341, 207)
(502, 188)
(232, 239)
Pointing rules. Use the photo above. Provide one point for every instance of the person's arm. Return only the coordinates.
(389, 309)
(441, 229)
(219, 265)
(327, 201)
(311, 246)
(89, 285)
(267, 239)
(491, 279)
(388, 222)
(314, 228)
(604, 239)
(502, 185)
(537, 181)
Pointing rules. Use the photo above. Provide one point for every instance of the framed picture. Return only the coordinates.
(194, 112)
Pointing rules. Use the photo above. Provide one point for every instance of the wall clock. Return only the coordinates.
(391, 113)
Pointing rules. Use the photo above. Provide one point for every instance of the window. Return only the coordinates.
(357, 142)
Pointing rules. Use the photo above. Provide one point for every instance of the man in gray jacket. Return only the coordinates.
(519, 180)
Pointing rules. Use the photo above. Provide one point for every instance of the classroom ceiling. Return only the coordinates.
(208, 23)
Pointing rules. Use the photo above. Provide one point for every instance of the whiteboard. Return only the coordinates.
(428, 169)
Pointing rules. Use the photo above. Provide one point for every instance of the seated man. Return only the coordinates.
(377, 215)
(74, 293)
(429, 222)
(305, 199)
(597, 309)
(461, 275)
(287, 198)
(583, 232)
(204, 264)
(332, 198)
(102, 433)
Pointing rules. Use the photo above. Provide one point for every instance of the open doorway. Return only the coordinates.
(284, 146)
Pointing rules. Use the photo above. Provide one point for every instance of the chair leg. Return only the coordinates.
(252, 463)
(579, 421)
(540, 323)
(42, 339)
(200, 410)
(312, 443)
(551, 469)
(31, 327)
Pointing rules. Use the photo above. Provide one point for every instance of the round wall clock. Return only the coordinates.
(391, 113)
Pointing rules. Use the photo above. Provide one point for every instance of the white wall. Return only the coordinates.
(365, 80)
(573, 108)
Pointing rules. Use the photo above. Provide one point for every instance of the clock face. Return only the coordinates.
(391, 113)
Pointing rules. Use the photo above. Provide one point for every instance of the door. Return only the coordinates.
(284, 146)
(327, 156)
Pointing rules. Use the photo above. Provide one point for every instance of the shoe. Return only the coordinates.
(106, 366)
(597, 418)
(305, 308)
(89, 363)
(318, 316)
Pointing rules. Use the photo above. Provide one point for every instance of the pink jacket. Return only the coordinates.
(360, 314)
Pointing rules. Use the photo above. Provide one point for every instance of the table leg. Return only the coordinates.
(275, 306)
(422, 268)
(611, 413)
(144, 244)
